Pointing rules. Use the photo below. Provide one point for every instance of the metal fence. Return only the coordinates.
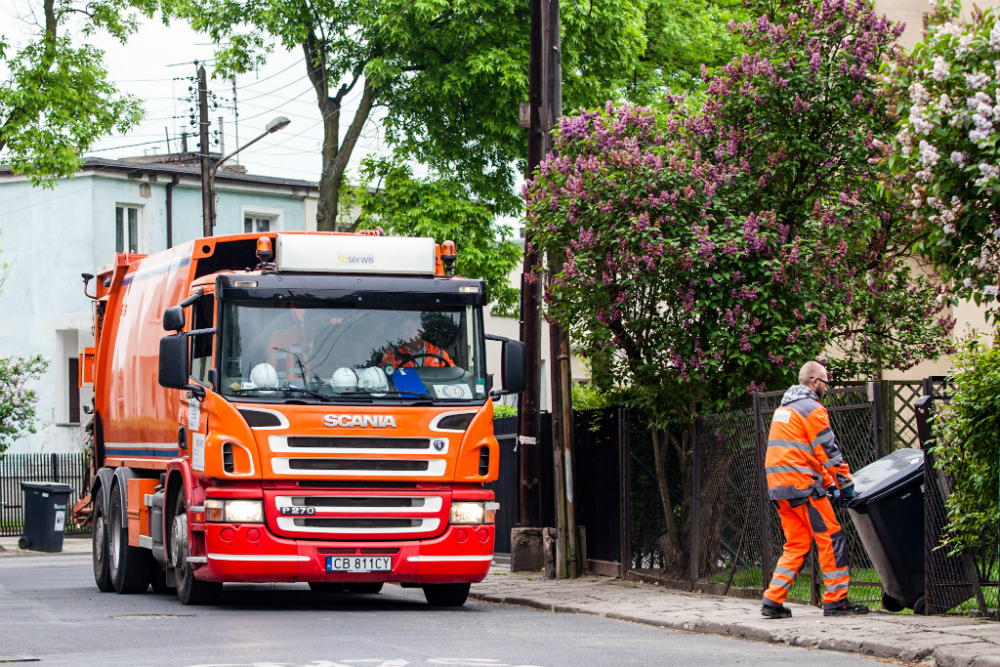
(16, 468)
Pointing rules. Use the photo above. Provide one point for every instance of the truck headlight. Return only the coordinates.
(471, 513)
(234, 511)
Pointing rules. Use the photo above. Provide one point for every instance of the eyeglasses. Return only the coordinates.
(821, 380)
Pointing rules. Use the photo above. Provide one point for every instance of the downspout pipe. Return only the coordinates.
(170, 209)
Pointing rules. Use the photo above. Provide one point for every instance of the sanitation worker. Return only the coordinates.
(805, 471)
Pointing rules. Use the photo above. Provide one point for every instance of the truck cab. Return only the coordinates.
(333, 423)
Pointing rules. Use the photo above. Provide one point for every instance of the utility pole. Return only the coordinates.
(207, 203)
(531, 332)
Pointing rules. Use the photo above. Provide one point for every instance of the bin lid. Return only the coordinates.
(47, 487)
(889, 472)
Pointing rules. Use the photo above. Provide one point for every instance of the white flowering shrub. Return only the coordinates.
(17, 401)
(947, 151)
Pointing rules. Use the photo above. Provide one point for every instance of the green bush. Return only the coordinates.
(968, 450)
(500, 411)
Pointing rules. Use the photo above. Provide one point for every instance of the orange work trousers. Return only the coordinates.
(805, 520)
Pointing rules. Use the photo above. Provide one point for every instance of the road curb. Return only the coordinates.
(946, 655)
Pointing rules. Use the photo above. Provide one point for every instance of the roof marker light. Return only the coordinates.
(264, 252)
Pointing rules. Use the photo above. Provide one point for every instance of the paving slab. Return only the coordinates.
(71, 546)
(939, 641)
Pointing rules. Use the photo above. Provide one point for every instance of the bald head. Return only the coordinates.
(813, 375)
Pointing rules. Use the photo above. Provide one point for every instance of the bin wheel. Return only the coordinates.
(101, 575)
(190, 590)
(24, 543)
(446, 595)
(367, 588)
(920, 606)
(128, 566)
(890, 603)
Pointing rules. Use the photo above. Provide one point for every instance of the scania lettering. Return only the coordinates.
(306, 420)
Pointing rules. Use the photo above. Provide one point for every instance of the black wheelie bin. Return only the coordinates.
(45, 507)
(888, 512)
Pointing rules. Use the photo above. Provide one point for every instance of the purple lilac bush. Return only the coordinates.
(703, 253)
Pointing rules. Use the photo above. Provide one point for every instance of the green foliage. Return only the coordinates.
(968, 447)
(501, 410)
(947, 152)
(441, 208)
(17, 402)
(710, 252)
(57, 100)
(589, 397)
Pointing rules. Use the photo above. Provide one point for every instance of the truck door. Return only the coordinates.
(196, 419)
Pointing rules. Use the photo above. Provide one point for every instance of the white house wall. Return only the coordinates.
(51, 236)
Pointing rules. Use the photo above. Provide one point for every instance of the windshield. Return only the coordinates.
(312, 350)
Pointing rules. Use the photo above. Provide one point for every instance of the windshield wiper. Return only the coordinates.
(379, 394)
(291, 387)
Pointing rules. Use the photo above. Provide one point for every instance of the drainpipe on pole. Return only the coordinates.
(170, 209)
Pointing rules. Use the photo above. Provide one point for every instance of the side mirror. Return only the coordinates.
(173, 319)
(174, 364)
(514, 369)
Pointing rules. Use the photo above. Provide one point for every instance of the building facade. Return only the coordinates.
(50, 236)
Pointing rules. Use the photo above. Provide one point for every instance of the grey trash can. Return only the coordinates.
(888, 513)
(45, 508)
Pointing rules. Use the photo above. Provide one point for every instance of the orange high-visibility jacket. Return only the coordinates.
(802, 456)
(401, 357)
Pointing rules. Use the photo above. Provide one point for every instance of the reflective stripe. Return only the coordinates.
(785, 571)
(833, 588)
(773, 470)
(781, 583)
(825, 436)
(843, 572)
(835, 461)
(791, 444)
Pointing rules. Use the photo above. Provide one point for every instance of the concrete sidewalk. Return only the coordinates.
(933, 640)
(71, 545)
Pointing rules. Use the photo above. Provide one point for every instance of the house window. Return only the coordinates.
(126, 229)
(256, 224)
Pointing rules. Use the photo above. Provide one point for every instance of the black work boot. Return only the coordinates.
(847, 609)
(775, 611)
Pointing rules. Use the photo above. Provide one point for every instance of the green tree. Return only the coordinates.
(710, 251)
(57, 100)
(448, 75)
(441, 208)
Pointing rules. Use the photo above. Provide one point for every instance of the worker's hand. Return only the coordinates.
(847, 495)
(833, 493)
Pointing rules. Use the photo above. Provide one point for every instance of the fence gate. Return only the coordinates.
(854, 417)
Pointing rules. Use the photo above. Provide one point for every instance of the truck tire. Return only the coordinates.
(446, 595)
(190, 590)
(128, 566)
(101, 574)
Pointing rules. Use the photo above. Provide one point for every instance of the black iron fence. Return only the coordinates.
(16, 468)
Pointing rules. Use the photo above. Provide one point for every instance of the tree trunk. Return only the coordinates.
(669, 542)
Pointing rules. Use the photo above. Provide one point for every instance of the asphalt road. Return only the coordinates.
(51, 610)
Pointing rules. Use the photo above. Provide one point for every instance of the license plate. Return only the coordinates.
(359, 564)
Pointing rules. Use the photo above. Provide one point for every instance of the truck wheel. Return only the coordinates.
(446, 595)
(190, 590)
(367, 588)
(890, 603)
(101, 574)
(920, 606)
(128, 566)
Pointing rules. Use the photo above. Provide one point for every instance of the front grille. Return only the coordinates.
(391, 465)
(359, 442)
(351, 501)
(387, 524)
(321, 484)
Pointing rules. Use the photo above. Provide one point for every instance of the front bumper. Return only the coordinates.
(251, 553)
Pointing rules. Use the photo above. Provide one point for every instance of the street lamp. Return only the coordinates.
(276, 124)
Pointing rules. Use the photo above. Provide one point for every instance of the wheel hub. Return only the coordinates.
(179, 542)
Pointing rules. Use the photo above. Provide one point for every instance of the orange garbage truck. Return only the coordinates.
(292, 407)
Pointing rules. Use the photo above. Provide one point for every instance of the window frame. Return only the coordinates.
(126, 236)
(276, 217)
